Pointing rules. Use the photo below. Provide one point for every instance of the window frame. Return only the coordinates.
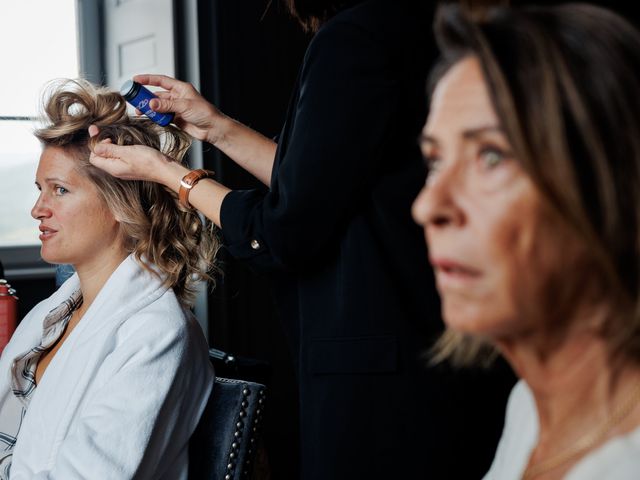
(23, 261)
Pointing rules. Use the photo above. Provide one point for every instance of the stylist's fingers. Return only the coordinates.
(159, 94)
(129, 162)
(163, 94)
(174, 105)
(168, 83)
(106, 149)
(94, 130)
(114, 159)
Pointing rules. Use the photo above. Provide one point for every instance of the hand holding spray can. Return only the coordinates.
(139, 97)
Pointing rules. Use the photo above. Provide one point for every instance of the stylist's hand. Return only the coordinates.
(135, 162)
(193, 113)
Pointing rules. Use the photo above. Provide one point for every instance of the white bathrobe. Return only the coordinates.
(123, 394)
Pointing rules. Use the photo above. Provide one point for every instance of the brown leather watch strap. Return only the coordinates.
(189, 181)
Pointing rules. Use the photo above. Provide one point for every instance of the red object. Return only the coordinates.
(8, 313)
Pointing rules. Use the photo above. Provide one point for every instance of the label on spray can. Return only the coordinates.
(139, 97)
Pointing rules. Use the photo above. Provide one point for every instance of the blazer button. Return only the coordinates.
(255, 244)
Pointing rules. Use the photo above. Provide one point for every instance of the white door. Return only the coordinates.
(139, 38)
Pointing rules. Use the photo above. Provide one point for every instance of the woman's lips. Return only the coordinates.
(46, 233)
(453, 273)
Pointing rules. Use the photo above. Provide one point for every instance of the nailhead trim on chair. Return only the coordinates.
(257, 422)
(254, 430)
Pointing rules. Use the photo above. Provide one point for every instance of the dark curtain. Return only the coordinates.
(250, 52)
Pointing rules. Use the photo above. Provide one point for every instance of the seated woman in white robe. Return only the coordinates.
(108, 377)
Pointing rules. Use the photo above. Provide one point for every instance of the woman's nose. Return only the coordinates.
(40, 209)
(436, 204)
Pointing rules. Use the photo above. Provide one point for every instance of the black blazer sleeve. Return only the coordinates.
(328, 154)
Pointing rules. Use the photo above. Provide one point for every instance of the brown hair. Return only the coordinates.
(564, 82)
(311, 14)
(155, 227)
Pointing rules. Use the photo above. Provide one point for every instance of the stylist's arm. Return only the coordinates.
(138, 162)
(252, 151)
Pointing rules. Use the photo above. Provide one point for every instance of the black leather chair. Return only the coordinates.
(225, 442)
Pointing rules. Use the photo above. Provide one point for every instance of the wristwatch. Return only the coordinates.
(189, 181)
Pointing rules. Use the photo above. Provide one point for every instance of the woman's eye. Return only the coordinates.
(60, 190)
(492, 157)
(433, 163)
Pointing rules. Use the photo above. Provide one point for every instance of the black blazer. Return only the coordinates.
(350, 267)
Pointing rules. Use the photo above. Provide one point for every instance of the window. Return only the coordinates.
(30, 58)
(49, 50)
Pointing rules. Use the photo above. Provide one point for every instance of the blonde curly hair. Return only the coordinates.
(166, 238)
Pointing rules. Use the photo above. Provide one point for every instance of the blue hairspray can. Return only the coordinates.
(139, 97)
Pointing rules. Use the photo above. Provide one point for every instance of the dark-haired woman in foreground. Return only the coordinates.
(532, 215)
(107, 378)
